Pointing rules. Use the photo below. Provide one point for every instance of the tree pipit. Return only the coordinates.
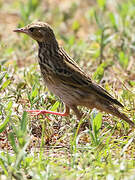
(66, 79)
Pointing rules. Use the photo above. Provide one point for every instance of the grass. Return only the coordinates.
(99, 35)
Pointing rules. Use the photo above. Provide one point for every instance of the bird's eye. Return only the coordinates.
(31, 29)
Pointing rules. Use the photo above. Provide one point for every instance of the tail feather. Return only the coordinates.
(113, 110)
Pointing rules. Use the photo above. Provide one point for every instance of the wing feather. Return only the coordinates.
(71, 74)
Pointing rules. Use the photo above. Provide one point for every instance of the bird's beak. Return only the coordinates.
(21, 30)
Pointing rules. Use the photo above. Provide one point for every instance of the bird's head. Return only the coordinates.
(39, 31)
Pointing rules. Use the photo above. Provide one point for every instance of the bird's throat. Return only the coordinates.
(48, 45)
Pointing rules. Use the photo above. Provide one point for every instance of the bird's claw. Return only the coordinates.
(37, 113)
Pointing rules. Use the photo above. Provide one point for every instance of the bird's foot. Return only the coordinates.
(43, 112)
(36, 112)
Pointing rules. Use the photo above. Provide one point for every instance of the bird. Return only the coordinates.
(63, 77)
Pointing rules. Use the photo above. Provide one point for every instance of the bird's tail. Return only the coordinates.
(114, 111)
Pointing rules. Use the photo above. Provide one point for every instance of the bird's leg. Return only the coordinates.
(77, 112)
(38, 112)
(79, 115)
